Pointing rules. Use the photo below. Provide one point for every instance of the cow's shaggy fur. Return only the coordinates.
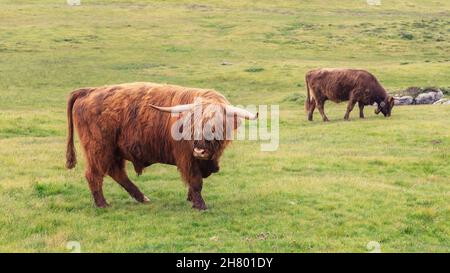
(340, 84)
(115, 124)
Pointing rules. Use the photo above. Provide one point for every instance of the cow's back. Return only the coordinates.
(117, 105)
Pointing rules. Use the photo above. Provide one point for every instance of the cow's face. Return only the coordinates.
(217, 123)
(209, 131)
(385, 106)
(208, 127)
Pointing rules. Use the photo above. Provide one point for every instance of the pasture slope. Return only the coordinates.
(329, 187)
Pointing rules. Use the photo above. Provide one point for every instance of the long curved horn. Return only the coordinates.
(174, 109)
(242, 113)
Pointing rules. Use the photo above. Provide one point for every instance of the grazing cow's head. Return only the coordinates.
(208, 126)
(385, 106)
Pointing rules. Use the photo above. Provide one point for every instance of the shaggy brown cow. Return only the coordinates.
(124, 122)
(340, 84)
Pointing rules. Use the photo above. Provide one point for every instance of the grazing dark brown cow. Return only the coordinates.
(340, 84)
(131, 122)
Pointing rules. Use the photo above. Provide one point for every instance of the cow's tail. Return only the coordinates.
(307, 100)
(71, 158)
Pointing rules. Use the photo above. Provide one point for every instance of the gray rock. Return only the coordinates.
(442, 101)
(404, 100)
(429, 97)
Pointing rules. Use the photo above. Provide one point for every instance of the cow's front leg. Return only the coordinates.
(350, 106)
(361, 109)
(195, 193)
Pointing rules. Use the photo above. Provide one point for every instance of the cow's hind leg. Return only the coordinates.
(119, 174)
(312, 107)
(95, 180)
(320, 105)
(351, 104)
(361, 109)
(189, 195)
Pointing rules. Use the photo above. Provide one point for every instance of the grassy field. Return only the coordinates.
(329, 187)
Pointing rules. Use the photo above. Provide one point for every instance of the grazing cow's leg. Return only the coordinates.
(195, 193)
(95, 181)
(311, 109)
(351, 104)
(361, 109)
(320, 105)
(189, 195)
(119, 174)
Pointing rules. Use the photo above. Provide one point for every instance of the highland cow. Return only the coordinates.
(340, 84)
(135, 122)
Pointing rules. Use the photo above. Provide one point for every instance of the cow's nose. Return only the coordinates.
(201, 153)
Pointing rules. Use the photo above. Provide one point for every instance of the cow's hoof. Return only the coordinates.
(199, 206)
(141, 198)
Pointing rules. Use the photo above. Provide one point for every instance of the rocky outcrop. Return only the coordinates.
(429, 97)
(417, 95)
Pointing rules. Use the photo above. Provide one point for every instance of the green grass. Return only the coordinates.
(329, 187)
